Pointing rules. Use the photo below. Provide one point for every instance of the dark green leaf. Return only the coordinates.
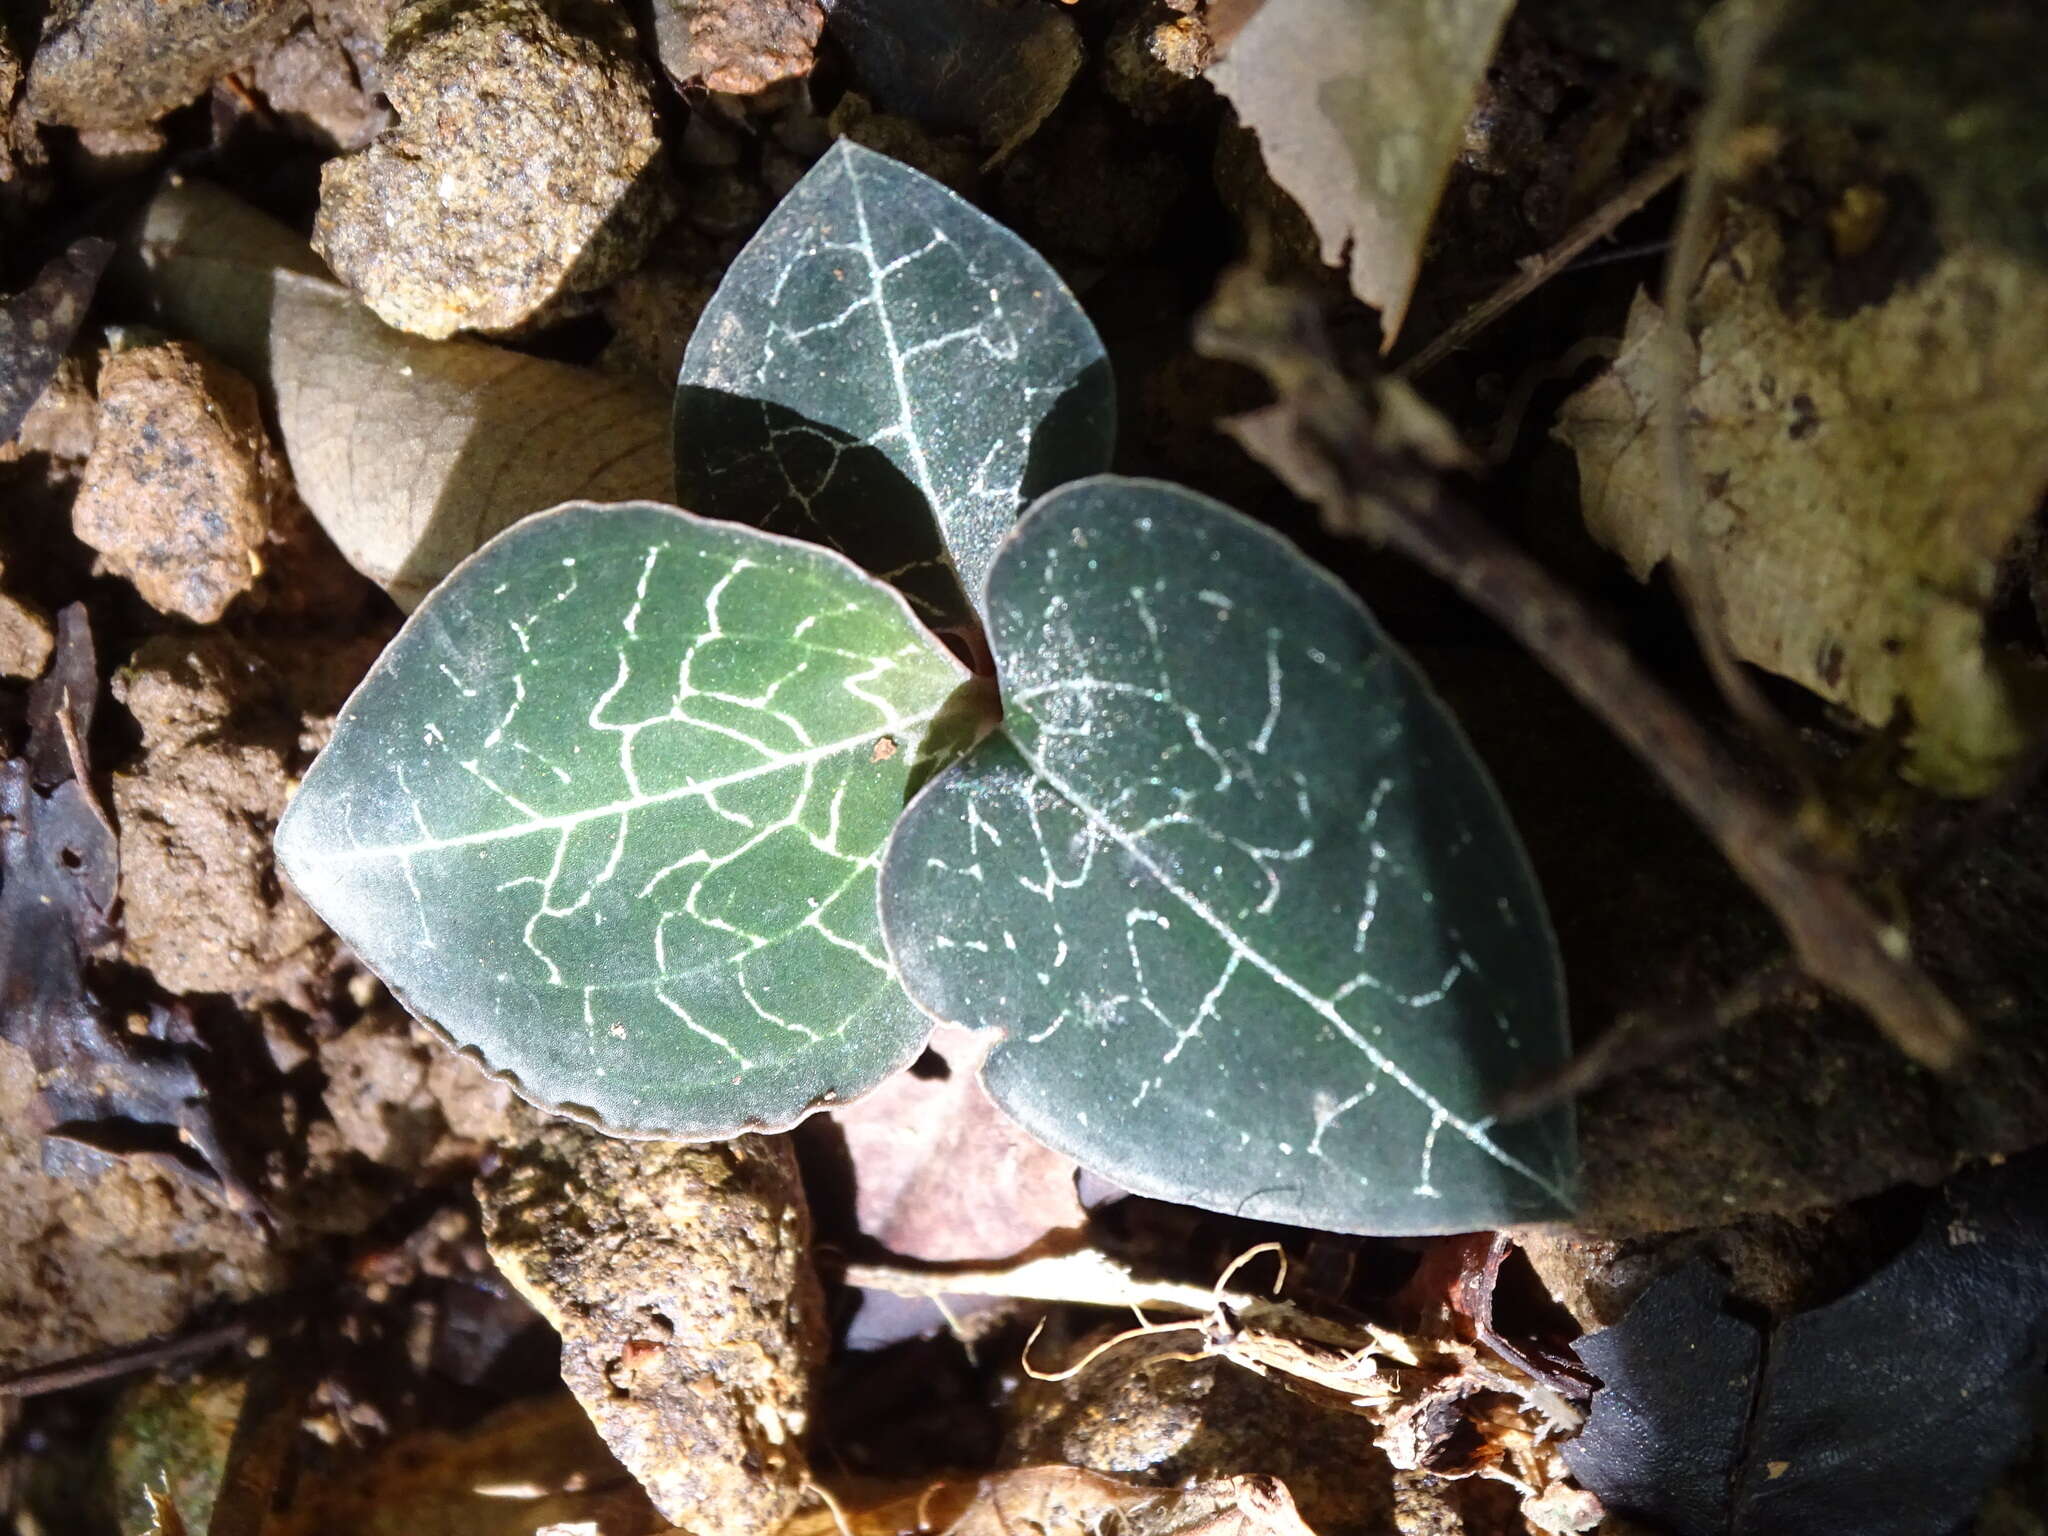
(882, 353)
(1243, 902)
(609, 811)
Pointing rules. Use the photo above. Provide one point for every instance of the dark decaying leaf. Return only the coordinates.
(990, 69)
(1249, 915)
(37, 324)
(883, 357)
(1887, 1413)
(123, 1086)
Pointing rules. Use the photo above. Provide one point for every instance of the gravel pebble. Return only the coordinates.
(177, 494)
(524, 166)
(122, 63)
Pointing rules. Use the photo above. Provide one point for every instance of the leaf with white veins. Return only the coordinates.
(1245, 906)
(880, 356)
(609, 812)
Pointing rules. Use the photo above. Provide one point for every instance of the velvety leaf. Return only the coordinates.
(1360, 108)
(608, 811)
(1245, 907)
(1887, 1413)
(410, 452)
(882, 354)
(37, 324)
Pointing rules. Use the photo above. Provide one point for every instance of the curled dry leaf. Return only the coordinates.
(410, 452)
(1860, 478)
(1359, 108)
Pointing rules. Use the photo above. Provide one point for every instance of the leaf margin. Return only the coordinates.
(1563, 1192)
(498, 1071)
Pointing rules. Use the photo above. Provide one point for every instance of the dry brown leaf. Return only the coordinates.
(941, 1174)
(1359, 107)
(1066, 1501)
(164, 1519)
(410, 452)
(1860, 479)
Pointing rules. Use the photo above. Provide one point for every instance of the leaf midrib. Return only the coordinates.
(695, 788)
(1473, 1131)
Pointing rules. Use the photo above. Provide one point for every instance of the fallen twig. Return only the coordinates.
(124, 1360)
(1636, 1041)
(1375, 469)
(1538, 270)
(1741, 30)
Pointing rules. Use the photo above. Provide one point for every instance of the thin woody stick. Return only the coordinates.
(125, 1360)
(1360, 465)
(1741, 30)
(1596, 226)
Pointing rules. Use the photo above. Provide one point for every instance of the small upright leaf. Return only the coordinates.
(883, 354)
(1245, 906)
(609, 811)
